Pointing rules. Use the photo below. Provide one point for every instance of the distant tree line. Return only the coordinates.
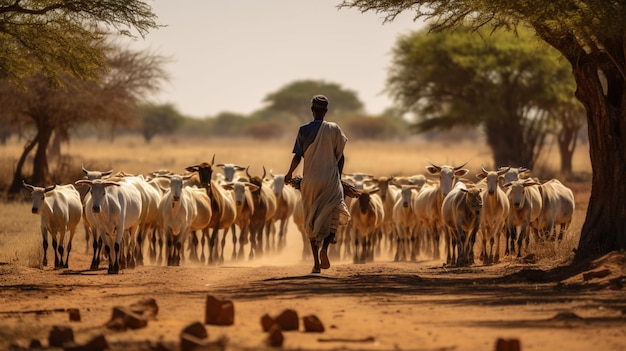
(286, 110)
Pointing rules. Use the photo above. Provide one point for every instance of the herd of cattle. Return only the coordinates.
(179, 218)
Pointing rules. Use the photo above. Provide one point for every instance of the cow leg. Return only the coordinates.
(415, 245)
(355, 259)
(56, 256)
(522, 235)
(396, 258)
(116, 264)
(96, 256)
(139, 247)
(87, 237)
(223, 244)
(496, 255)
(233, 256)
(212, 241)
(45, 247)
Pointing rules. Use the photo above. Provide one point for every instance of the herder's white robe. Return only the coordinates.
(321, 189)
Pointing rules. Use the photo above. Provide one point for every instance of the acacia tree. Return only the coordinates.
(56, 37)
(503, 83)
(44, 108)
(295, 98)
(591, 35)
(159, 119)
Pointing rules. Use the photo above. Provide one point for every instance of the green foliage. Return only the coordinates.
(380, 128)
(505, 82)
(227, 124)
(295, 99)
(159, 119)
(58, 36)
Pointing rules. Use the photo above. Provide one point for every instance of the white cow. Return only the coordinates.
(60, 209)
(115, 210)
(514, 173)
(286, 198)
(150, 216)
(230, 170)
(557, 208)
(428, 206)
(404, 216)
(245, 209)
(84, 193)
(183, 210)
(389, 194)
(494, 214)
(298, 220)
(525, 200)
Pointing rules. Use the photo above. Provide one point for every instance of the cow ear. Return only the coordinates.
(432, 170)
(461, 172)
(252, 187)
(481, 176)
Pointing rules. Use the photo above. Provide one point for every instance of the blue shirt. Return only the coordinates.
(306, 136)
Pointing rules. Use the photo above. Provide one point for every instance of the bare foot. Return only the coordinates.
(324, 262)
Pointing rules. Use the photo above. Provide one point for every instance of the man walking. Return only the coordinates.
(321, 144)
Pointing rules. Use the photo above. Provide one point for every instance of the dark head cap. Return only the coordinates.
(319, 101)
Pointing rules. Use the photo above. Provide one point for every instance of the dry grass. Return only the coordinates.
(20, 238)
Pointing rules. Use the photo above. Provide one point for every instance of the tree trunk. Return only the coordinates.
(40, 163)
(567, 145)
(604, 229)
(506, 143)
(16, 184)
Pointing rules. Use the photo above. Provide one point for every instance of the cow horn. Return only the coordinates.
(248, 173)
(461, 166)
(50, 188)
(438, 168)
(503, 170)
(263, 177)
(272, 174)
(27, 186)
(213, 159)
(483, 169)
(82, 165)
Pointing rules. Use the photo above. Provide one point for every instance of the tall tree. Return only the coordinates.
(44, 108)
(295, 98)
(159, 119)
(591, 35)
(493, 79)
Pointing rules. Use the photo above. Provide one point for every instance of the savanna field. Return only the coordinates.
(380, 305)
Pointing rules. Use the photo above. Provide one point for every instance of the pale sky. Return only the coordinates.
(228, 55)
